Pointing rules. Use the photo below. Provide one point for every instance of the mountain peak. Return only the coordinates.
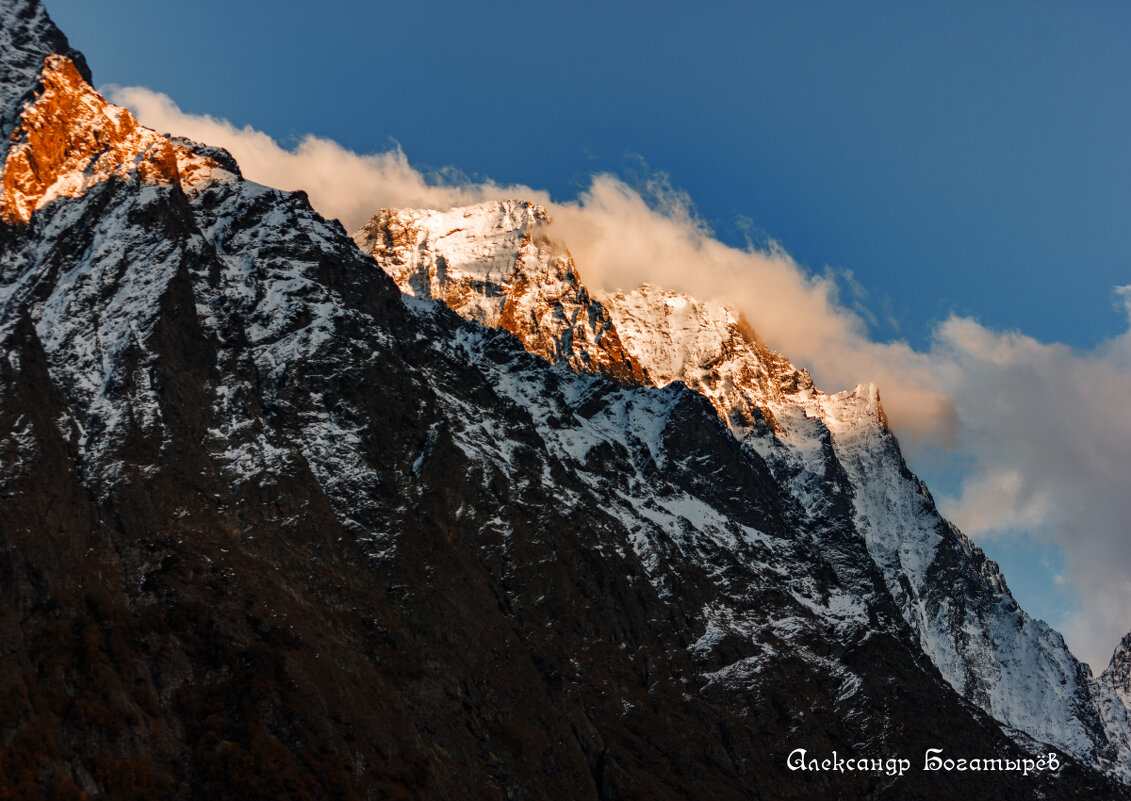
(710, 348)
(433, 253)
(70, 138)
(1118, 672)
(494, 264)
(27, 36)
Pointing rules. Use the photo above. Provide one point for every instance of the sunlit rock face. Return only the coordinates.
(492, 263)
(70, 139)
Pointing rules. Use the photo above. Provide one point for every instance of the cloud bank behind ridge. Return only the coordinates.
(1040, 429)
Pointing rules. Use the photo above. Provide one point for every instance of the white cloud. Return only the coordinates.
(1049, 438)
(619, 240)
(1042, 427)
(341, 184)
(995, 501)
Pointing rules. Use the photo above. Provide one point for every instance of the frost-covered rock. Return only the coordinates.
(1117, 676)
(1017, 669)
(492, 263)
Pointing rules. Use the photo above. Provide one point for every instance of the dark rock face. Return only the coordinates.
(1117, 675)
(269, 531)
(27, 36)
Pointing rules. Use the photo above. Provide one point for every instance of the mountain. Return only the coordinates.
(1117, 676)
(829, 450)
(270, 528)
(956, 601)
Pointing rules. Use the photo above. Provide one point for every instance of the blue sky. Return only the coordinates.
(968, 157)
(964, 160)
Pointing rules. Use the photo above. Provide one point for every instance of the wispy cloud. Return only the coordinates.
(620, 240)
(1047, 433)
(1042, 426)
(341, 184)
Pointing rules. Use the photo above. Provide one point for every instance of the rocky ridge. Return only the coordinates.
(832, 449)
(70, 138)
(272, 529)
(495, 265)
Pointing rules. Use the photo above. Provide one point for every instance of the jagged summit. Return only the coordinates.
(714, 350)
(710, 348)
(27, 37)
(492, 263)
(70, 138)
(1117, 675)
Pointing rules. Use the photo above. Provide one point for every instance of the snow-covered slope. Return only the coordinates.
(834, 454)
(1016, 668)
